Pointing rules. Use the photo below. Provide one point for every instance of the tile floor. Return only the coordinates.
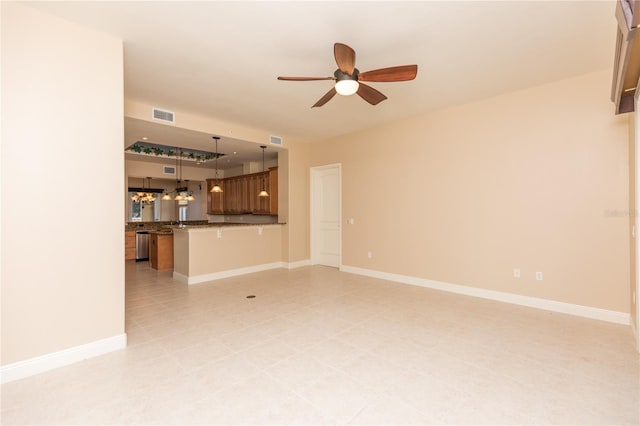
(317, 346)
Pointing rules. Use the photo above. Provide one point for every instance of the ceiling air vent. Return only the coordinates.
(275, 140)
(164, 115)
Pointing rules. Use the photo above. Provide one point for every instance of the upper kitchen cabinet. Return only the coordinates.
(215, 200)
(240, 194)
(273, 194)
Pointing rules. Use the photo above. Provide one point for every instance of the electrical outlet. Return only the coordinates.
(369, 254)
(538, 276)
(516, 273)
(351, 221)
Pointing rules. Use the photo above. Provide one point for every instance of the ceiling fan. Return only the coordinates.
(348, 78)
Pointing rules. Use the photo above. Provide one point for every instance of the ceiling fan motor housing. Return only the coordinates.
(339, 75)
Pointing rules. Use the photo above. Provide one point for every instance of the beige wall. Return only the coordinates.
(200, 251)
(62, 117)
(525, 180)
(297, 232)
(140, 169)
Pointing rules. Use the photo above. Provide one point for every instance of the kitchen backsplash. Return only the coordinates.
(242, 218)
(133, 226)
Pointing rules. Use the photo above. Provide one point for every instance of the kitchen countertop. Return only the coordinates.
(168, 229)
(224, 224)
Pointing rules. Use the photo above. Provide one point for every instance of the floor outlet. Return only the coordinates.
(538, 276)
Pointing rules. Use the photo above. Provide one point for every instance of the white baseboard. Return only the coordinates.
(181, 278)
(29, 367)
(516, 299)
(298, 264)
(196, 279)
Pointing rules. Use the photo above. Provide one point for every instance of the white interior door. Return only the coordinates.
(326, 215)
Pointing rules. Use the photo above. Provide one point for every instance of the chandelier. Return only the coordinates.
(142, 196)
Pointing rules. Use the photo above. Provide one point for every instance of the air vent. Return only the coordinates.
(169, 170)
(163, 115)
(275, 140)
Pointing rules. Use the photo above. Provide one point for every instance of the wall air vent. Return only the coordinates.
(275, 140)
(169, 170)
(164, 115)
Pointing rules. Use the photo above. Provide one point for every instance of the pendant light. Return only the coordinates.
(179, 196)
(150, 196)
(189, 196)
(216, 186)
(138, 196)
(263, 192)
(143, 196)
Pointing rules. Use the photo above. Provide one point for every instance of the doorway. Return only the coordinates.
(326, 214)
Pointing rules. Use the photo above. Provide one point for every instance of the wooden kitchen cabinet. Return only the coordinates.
(273, 193)
(240, 194)
(161, 251)
(130, 245)
(262, 203)
(215, 200)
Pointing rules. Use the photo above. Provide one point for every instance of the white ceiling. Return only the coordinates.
(221, 59)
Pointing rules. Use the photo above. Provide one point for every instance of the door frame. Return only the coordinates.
(313, 182)
(635, 279)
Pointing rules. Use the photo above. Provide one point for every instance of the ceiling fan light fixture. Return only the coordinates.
(347, 77)
(347, 87)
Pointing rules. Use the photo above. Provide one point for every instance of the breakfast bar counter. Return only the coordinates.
(213, 251)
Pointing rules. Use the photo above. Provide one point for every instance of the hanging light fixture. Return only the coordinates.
(143, 196)
(149, 196)
(178, 154)
(137, 197)
(263, 192)
(216, 186)
(179, 189)
(189, 196)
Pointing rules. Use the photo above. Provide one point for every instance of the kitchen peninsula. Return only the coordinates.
(214, 251)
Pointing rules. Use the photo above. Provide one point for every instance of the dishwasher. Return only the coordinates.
(142, 245)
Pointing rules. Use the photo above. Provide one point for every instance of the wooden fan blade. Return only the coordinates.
(345, 57)
(326, 98)
(305, 78)
(370, 94)
(400, 73)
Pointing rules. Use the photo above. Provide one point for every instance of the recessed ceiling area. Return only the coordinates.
(236, 152)
(222, 59)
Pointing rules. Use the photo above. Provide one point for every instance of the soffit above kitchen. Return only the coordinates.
(221, 59)
(233, 152)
